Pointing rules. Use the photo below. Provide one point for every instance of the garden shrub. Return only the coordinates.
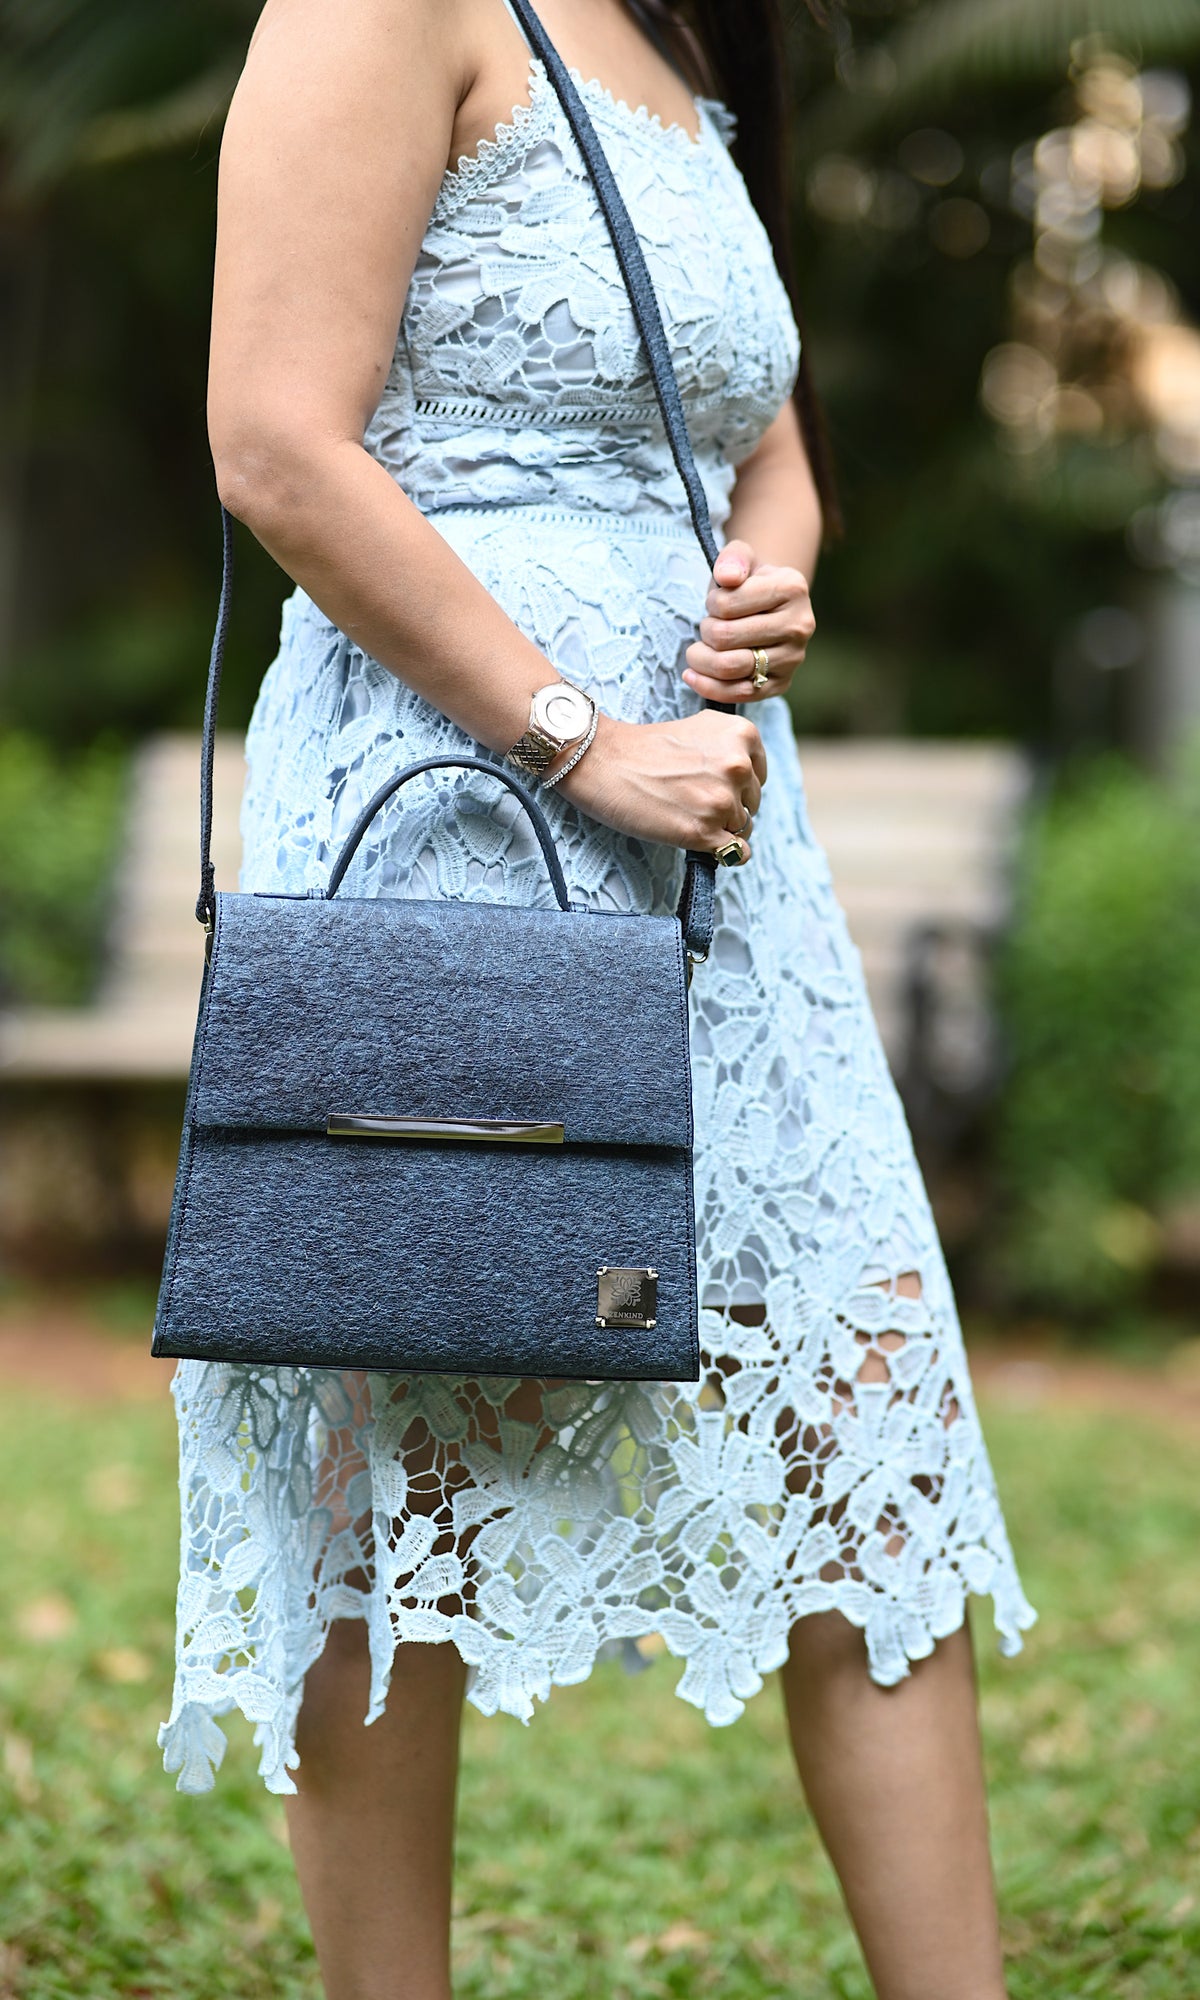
(1099, 1130)
(60, 824)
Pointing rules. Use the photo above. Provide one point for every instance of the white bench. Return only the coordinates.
(918, 834)
(922, 841)
(140, 1024)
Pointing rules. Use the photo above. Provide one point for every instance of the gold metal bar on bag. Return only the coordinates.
(505, 1131)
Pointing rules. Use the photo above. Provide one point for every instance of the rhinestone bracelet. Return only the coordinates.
(548, 784)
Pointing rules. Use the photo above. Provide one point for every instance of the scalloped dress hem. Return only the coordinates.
(194, 1744)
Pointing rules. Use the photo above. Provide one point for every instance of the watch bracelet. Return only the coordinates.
(533, 767)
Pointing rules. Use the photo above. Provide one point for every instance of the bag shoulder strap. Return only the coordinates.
(638, 282)
(696, 912)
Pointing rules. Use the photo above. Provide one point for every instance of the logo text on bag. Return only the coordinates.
(626, 1297)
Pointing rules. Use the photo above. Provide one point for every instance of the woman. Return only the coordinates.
(474, 511)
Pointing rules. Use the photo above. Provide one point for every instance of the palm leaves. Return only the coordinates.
(82, 80)
(91, 80)
(178, 119)
(953, 46)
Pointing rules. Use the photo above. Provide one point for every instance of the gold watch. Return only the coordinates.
(559, 715)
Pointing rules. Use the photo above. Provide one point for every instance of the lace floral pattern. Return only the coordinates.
(830, 1456)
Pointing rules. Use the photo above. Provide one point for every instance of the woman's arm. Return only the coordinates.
(775, 505)
(760, 592)
(335, 146)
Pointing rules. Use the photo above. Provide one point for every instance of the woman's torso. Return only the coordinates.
(519, 378)
(519, 415)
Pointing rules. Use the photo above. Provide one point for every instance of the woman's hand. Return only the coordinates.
(693, 783)
(751, 604)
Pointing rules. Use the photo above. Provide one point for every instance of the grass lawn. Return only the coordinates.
(618, 1849)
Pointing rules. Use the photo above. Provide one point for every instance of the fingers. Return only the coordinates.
(768, 589)
(739, 832)
(738, 828)
(749, 799)
(737, 692)
(771, 613)
(734, 592)
(734, 565)
(789, 629)
(758, 765)
(729, 677)
(737, 767)
(768, 610)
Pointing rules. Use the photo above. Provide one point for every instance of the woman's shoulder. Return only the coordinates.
(430, 63)
(416, 38)
(371, 86)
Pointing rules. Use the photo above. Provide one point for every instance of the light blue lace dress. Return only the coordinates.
(830, 1456)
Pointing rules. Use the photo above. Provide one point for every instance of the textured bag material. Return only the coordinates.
(445, 1010)
(290, 1245)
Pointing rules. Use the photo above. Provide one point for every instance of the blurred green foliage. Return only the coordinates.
(60, 821)
(1100, 1123)
(618, 1848)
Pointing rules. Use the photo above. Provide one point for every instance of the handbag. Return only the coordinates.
(439, 1136)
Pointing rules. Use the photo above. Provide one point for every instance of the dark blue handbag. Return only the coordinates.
(444, 1136)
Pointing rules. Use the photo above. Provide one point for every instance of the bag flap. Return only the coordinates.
(444, 1010)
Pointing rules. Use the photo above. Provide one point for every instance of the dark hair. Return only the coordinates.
(738, 53)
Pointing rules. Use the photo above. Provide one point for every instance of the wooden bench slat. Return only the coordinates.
(916, 832)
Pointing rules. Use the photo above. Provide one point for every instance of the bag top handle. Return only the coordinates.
(533, 812)
(696, 913)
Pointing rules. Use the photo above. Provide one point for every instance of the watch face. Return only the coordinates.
(563, 712)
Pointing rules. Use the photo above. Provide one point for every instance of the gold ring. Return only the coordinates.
(762, 668)
(732, 855)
